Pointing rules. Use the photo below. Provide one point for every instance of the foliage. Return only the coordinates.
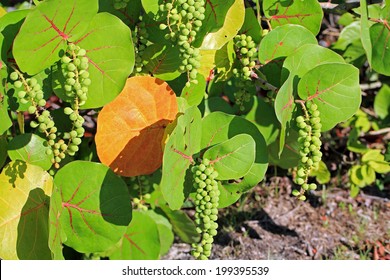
(191, 100)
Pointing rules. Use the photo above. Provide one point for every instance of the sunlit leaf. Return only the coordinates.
(134, 125)
(24, 211)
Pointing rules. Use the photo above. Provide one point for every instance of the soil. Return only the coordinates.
(270, 224)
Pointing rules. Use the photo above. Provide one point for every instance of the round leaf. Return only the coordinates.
(141, 240)
(133, 125)
(47, 29)
(164, 231)
(379, 34)
(94, 210)
(218, 127)
(110, 52)
(307, 13)
(232, 158)
(30, 148)
(283, 41)
(24, 211)
(334, 87)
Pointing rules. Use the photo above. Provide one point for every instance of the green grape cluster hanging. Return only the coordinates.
(184, 20)
(31, 92)
(310, 145)
(206, 207)
(140, 41)
(75, 64)
(74, 67)
(246, 53)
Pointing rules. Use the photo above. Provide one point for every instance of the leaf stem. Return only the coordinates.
(21, 122)
(256, 74)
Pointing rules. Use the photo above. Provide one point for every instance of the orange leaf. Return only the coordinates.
(131, 127)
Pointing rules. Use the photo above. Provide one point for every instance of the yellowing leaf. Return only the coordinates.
(130, 129)
(24, 211)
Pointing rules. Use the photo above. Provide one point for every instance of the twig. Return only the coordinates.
(380, 131)
(263, 82)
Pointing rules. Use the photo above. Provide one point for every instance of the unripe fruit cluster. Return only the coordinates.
(31, 91)
(206, 207)
(246, 53)
(75, 64)
(120, 4)
(139, 203)
(140, 41)
(310, 146)
(184, 20)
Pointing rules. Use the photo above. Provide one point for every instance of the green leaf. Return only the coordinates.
(376, 160)
(3, 150)
(162, 61)
(9, 27)
(379, 34)
(289, 157)
(382, 102)
(151, 6)
(353, 143)
(24, 211)
(164, 231)
(322, 173)
(263, 116)
(368, 174)
(111, 60)
(283, 41)
(5, 119)
(94, 211)
(334, 87)
(141, 240)
(31, 149)
(233, 21)
(216, 11)
(356, 176)
(128, 15)
(195, 92)
(218, 127)
(224, 61)
(227, 196)
(232, 158)
(182, 144)
(47, 29)
(182, 225)
(349, 35)
(251, 26)
(57, 235)
(354, 190)
(306, 58)
(365, 31)
(307, 13)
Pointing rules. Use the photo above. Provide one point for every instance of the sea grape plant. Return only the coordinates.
(115, 116)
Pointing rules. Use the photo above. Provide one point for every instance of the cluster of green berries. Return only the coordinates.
(75, 64)
(139, 203)
(246, 53)
(310, 145)
(140, 41)
(31, 91)
(184, 19)
(206, 207)
(120, 4)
